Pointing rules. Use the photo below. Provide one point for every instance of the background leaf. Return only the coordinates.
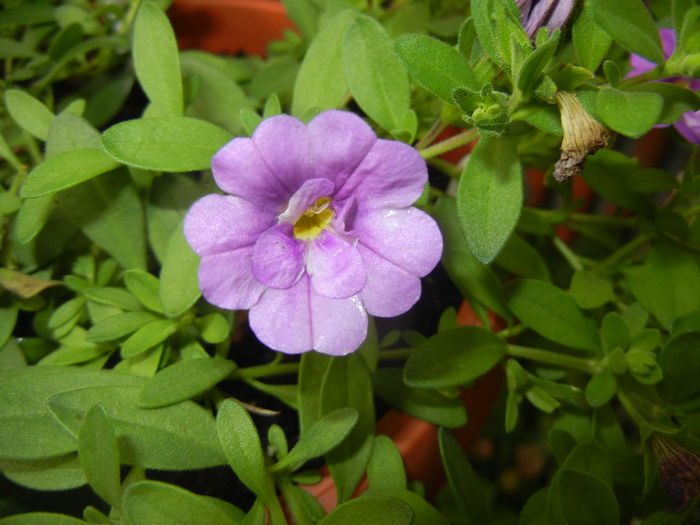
(99, 454)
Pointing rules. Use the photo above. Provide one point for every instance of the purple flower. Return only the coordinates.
(317, 233)
(551, 14)
(689, 124)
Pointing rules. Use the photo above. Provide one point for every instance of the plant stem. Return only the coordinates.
(449, 144)
(275, 369)
(398, 353)
(552, 358)
(277, 516)
(438, 126)
(511, 331)
(623, 252)
(569, 255)
(300, 517)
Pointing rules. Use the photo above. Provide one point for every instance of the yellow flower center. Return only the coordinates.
(314, 220)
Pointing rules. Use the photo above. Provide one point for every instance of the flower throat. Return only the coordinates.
(314, 220)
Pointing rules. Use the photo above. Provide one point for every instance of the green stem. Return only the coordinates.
(398, 353)
(511, 331)
(280, 369)
(623, 252)
(445, 167)
(438, 126)
(293, 503)
(588, 366)
(617, 222)
(569, 255)
(631, 410)
(277, 516)
(447, 145)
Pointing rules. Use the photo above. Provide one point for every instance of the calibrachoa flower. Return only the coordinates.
(318, 231)
(551, 14)
(689, 123)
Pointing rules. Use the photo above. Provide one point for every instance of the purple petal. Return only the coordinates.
(239, 169)
(227, 280)
(218, 223)
(278, 258)
(537, 17)
(560, 14)
(392, 175)
(408, 237)
(689, 126)
(304, 197)
(284, 144)
(389, 290)
(339, 141)
(335, 266)
(668, 41)
(298, 320)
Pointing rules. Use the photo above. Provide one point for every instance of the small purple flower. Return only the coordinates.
(689, 124)
(317, 233)
(551, 14)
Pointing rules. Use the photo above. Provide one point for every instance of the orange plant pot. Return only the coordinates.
(229, 26)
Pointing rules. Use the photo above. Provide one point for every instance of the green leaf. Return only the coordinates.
(153, 503)
(376, 78)
(601, 388)
(423, 511)
(29, 113)
(148, 336)
(614, 331)
(54, 473)
(591, 42)
(65, 170)
(156, 59)
(219, 100)
(590, 290)
(170, 197)
(323, 436)
(631, 113)
(109, 211)
(213, 328)
(531, 72)
(490, 196)
(453, 357)
(650, 180)
(482, 12)
(668, 286)
(521, 258)
(614, 189)
(304, 14)
(151, 438)
(31, 217)
(677, 100)
(466, 488)
(145, 287)
(321, 80)
(179, 287)
(552, 313)
(313, 369)
(112, 296)
(630, 24)
(241, 444)
(598, 506)
(347, 383)
(41, 518)
(474, 279)
(370, 510)
(29, 431)
(385, 468)
(679, 360)
(424, 403)
(99, 454)
(183, 380)
(436, 66)
(165, 144)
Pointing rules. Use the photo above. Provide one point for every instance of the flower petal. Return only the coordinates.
(240, 169)
(392, 175)
(278, 258)
(339, 141)
(408, 237)
(642, 65)
(689, 126)
(560, 14)
(227, 280)
(283, 142)
(304, 197)
(298, 320)
(389, 290)
(218, 223)
(335, 266)
(537, 16)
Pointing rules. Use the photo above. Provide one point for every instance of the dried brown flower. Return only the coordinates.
(679, 469)
(583, 136)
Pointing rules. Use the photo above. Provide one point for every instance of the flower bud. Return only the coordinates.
(679, 469)
(583, 136)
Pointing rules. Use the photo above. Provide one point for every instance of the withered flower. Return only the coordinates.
(679, 469)
(583, 136)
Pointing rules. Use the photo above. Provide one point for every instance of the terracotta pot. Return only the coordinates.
(229, 26)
